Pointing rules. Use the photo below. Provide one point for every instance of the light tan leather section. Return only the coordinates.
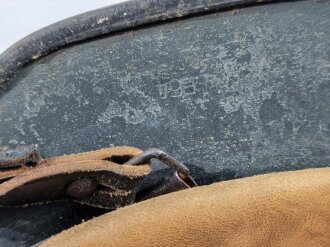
(280, 209)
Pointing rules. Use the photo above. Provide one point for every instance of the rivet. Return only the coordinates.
(81, 188)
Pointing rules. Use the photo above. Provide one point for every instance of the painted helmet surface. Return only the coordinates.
(230, 88)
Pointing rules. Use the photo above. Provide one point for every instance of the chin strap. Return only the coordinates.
(108, 178)
(279, 209)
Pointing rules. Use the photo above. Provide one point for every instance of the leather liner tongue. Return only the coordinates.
(93, 178)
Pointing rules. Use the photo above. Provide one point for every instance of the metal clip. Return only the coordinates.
(155, 153)
(96, 178)
(178, 180)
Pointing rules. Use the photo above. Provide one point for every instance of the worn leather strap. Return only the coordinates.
(280, 209)
(96, 178)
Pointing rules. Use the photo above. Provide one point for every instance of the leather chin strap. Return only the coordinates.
(108, 178)
(280, 209)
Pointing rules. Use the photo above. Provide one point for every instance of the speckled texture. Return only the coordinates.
(233, 94)
(246, 91)
(128, 14)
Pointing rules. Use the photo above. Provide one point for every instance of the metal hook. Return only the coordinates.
(155, 153)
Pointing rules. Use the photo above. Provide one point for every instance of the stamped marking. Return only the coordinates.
(177, 88)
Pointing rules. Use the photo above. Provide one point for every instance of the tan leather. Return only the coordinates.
(280, 209)
(115, 184)
(97, 156)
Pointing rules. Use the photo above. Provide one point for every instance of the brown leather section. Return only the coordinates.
(116, 186)
(92, 155)
(280, 209)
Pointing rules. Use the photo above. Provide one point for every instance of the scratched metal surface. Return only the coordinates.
(247, 91)
(107, 20)
(233, 94)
